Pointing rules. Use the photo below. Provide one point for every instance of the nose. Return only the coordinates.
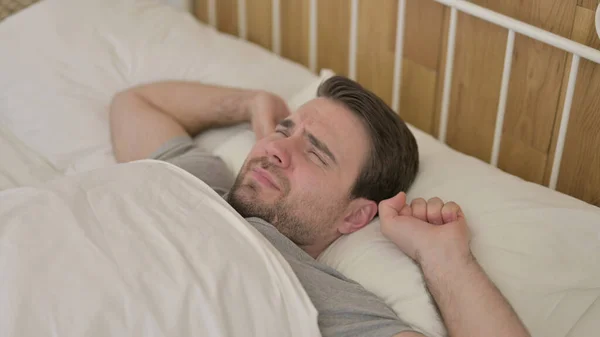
(279, 152)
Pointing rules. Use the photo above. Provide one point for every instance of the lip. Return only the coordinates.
(264, 177)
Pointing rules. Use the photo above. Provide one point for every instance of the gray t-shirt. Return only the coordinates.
(345, 308)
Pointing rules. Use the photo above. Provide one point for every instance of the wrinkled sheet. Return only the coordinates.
(20, 165)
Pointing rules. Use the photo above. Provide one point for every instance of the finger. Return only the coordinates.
(406, 211)
(268, 128)
(257, 132)
(285, 112)
(419, 209)
(434, 211)
(263, 129)
(450, 212)
(390, 208)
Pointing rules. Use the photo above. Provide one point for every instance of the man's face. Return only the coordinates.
(299, 178)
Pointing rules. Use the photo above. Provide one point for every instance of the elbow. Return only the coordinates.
(118, 114)
(119, 103)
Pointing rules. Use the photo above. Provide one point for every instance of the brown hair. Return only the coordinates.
(393, 162)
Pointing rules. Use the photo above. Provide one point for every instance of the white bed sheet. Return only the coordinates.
(141, 249)
(20, 166)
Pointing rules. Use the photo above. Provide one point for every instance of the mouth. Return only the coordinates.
(264, 178)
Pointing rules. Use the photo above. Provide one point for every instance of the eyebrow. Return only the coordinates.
(289, 124)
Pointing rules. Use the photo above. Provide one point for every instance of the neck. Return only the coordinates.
(317, 248)
(312, 251)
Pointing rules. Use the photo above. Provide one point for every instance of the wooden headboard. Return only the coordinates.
(536, 91)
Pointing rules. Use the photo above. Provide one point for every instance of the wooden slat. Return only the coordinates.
(417, 99)
(580, 173)
(259, 22)
(227, 20)
(522, 160)
(475, 86)
(534, 91)
(534, 88)
(424, 28)
(589, 4)
(294, 30)
(201, 10)
(376, 42)
(421, 65)
(333, 31)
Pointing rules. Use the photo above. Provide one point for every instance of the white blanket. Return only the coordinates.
(19, 165)
(140, 249)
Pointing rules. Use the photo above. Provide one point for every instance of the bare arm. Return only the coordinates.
(436, 236)
(145, 117)
(470, 303)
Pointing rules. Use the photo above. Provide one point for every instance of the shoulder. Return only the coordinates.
(345, 307)
(183, 152)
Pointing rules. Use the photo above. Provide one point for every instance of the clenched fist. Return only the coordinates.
(266, 111)
(426, 230)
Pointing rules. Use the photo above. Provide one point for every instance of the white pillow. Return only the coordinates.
(309, 91)
(540, 247)
(63, 60)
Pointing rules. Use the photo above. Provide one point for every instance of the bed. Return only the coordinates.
(91, 247)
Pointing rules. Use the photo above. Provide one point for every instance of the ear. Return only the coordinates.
(360, 212)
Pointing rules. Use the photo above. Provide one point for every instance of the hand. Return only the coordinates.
(266, 111)
(425, 230)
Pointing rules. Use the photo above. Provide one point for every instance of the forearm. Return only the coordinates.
(469, 302)
(197, 106)
(145, 117)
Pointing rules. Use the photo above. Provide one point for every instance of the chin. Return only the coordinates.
(245, 199)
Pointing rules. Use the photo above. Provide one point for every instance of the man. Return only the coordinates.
(313, 176)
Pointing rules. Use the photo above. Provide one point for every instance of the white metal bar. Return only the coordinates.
(564, 121)
(508, 56)
(598, 20)
(398, 55)
(448, 75)
(312, 34)
(353, 39)
(212, 12)
(242, 25)
(276, 28)
(524, 29)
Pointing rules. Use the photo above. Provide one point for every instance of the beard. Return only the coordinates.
(302, 228)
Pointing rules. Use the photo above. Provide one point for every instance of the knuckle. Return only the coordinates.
(452, 206)
(448, 210)
(418, 201)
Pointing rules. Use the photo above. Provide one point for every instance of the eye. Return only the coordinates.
(315, 156)
(282, 132)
